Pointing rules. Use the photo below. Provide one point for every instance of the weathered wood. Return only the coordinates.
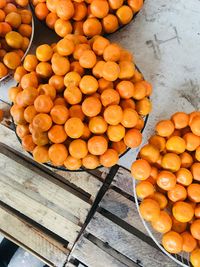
(32, 239)
(126, 243)
(124, 181)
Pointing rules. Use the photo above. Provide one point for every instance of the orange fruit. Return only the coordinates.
(41, 11)
(74, 127)
(76, 111)
(125, 89)
(14, 19)
(78, 149)
(60, 101)
(112, 52)
(51, 19)
(149, 210)
(180, 120)
(158, 142)
(144, 189)
(88, 59)
(3, 3)
(17, 113)
(57, 134)
(171, 161)
(140, 169)
(92, 27)
(195, 125)
(27, 143)
(99, 45)
(72, 163)
(193, 192)
(42, 122)
(44, 52)
(86, 133)
(26, 16)
(192, 141)
(130, 118)
(165, 128)
(160, 198)
(150, 153)
(110, 71)
(58, 154)
(40, 154)
(182, 211)
(88, 84)
(195, 169)
(59, 114)
(186, 160)
(22, 130)
(57, 82)
(195, 257)
(99, 8)
(133, 138)
(172, 242)
(97, 145)
(48, 90)
(119, 146)
(127, 69)
(72, 78)
(3, 70)
(163, 223)
(29, 113)
(109, 158)
(144, 106)
(113, 114)
(110, 97)
(30, 63)
(65, 47)
(65, 9)
(177, 226)
(43, 104)
(97, 70)
(44, 70)
(91, 106)
(195, 229)
(166, 180)
(62, 27)
(197, 211)
(124, 14)
(178, 193)
(115, 133)
(90, 161)
(73, 95)
(176, 144)
(97, 125)
(184, 176)
(12, 60)
(104, 84)
(39, 138)
(189, 243)
(135, 5)
(29, 80)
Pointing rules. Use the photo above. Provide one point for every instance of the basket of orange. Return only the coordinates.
(16, 34)
(167, 187)
(86, 17)
(79, 103)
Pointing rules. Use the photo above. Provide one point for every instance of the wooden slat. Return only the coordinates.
(124, 181)
(27, 236)
(126, 243)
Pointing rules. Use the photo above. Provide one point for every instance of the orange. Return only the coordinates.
(80, 11)
(197, 154)
(65, 9)
(57, 134)
(65, 47)
(99, 8)
(51, 19)
(124, 14)
(3, 3)
(110, 23)
(5, 28)
(104, 84)
(126, 56)
(57, 82)
(119, 146)
(112, 52)
(125, 89)
(197, 211)
(97, 125)
(97, 70)
(39, 138)
(166, 180)
(27, 143)
(72, 78)
(43, 104)
(144, 106)
(73, 95)
(195, 125)
(74, 127)
(177, 226)
(29, 113)
(12, 60)
(160, 198)
(60, 65)
(165, 128)
(17, 113)
(62, 27)
(115, 4)
(88, 84)
(3, 70)
(60, 101)
(171, 162)
(29, 95)
(26, 16)
(22, 3)
(193, 115)
(184, 176)
(180, 120)
(51, 5)
(25, 30)
(135, 5)
(149, 210)
(41, 11)
(72, 163)
(92, 27)
(113, 115)
(150, 153)
(195, 229)
(127, 69)
(78, 149)
(144, 189)
(176, 144)
(130, 118)
(186, 160)
(193, 191)
(44, 70)
(163, 223)
(111, 71)
(14, 19)
(158, 142)
(172, 242)
(178, 193)
(182, 211)
(116, 133)
(86, 133)
(22, 130)
(88, 59)
(109, 158)
(42, 122)
(91, 106)
(140, 169)
(189, 243)
(30, 63)
(195, 257)
(20, 100)
(110, 97)
(29, 80)
(195, 169)
(133, 138)
(97, 145)
(79, 49)
(99, 45)
(44, 52)
(76, 111)
(59, 114)
(40, 154)
(90, 161)
(192, 141)
(58, 154)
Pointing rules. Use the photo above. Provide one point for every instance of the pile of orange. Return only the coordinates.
(79, 102)
(86, 17)
(169, 187)
(15, 33)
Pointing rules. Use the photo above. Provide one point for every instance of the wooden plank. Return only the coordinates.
(126, 243)
(93, 256)
(43, 190)
(124, 181)
(27, 236)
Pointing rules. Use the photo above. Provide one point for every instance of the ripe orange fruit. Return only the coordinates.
(195, 169)
(140, 169)
(57, 134)
(125, 89)
(165, 128)
(73, 95)
(41, 11)
(58, 154)
(42, 122)
(72, 163)
(163, 223)
(59, 114)
(27, 143)
(119, 146)
(109, 158)
(130, 118)
(195, 257)
(172, 242)
(90, 161)
(92, 27)
(44, 52)
(178, 193)
(110, 97)
(30, 63)
(29, 80)
(88, 59)
(62, 27)
(12, 60)
(186, 160)
(193, 191)
(113, 114)
(29, 113)
(3, 70)
(97, 125)
(65, 47)
(160, 198)
(166, 180)
(171, 162)
(189, 243)
(39, 138)
(74, 127)
(150, 153)
(158, 142)
(22, 130)
(40, 154)
(43, 104)
(97, 145)
(91, 106)
(182, 211)
(124, 14)
(99, 8)
(195, 229)
(192, 141)
(112, 52)
(176, 144)
(144, 189)
(195, 125)
(180, 120)
(65, 9)
(115, 133)
(184, 176)
(88, 84)
(72, 78)
(110, 71)
(78, 149)
(99, 45)
(149, 210)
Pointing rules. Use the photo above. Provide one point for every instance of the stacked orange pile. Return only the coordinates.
(79, 102)
(15, 33)
(86, 17)
(169, 167)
